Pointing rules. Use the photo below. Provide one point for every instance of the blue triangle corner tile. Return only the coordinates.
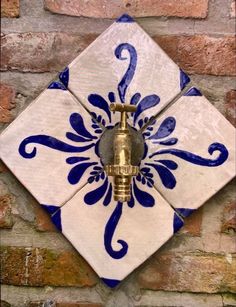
(125, 18)
(112, 283)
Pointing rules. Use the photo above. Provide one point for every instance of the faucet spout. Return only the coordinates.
(122, 170)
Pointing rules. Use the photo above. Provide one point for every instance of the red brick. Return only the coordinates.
(189, 272)
(40, 267)
(10, 8)
(233, 9)
(41, 52)
(193, 224)
(230, 105)
(136, 8)
(7, 102)
(42, 219)
(202, 54)
(6, 220)
(229, 218)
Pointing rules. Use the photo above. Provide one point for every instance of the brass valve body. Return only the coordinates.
(122, 170)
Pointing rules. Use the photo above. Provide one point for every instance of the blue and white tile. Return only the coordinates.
(124, 65)
(191, 152)
(52, 147)
(114, 237)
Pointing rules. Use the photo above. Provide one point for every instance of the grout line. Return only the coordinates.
(77, 191)
(179, 215)
(169, 104)
(81, 103)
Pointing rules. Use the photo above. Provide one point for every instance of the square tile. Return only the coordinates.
(51, 146)
(116, 237)
(191, 152)
(124, 65)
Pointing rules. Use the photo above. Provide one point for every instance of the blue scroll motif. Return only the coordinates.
(109, 232)
(103, 194)
(79, 135)
(165, 167)
(143, 104)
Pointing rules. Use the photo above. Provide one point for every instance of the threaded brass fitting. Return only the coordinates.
(122, 170)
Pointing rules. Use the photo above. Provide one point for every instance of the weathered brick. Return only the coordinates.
(229, 218)
(7, 102)
(10, 8)
(63, 304)
(193, 223)
(42, 219)
(41, 267)
(190, 272)
(6, 220)
(136, 8)
(230, 106)
(233, 9)
(201, 54)
(3, 168)
(41, 52)
(78, 304)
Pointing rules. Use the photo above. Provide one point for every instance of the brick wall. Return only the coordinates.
(197, 267)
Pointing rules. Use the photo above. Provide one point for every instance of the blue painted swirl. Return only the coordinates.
(144, 198)
(195, 159)
(77, 172)
(99, 102)
(48, 141)
(165, 129)
(146, 103)
(109, 233)
(77, 123)
(94, 196)
(129, 74)
(169, 142)
(167, 178)
(76, 138)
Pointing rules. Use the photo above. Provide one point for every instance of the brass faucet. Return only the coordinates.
(122, 170)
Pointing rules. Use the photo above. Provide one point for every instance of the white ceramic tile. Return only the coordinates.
(197, 145)
(114, 237)
(43, 149)
(125, 63)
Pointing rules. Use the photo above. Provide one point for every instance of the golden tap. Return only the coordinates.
(122, 170)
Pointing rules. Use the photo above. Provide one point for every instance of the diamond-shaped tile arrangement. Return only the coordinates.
(53, 148)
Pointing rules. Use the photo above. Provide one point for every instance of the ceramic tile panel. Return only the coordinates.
(124, 65)
(191, 152)
(51, 146)
(116, 237)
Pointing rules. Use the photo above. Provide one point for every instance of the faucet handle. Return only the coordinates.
(121, 107)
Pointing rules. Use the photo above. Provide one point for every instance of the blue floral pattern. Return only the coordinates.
(166, 167)
(85, 141)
